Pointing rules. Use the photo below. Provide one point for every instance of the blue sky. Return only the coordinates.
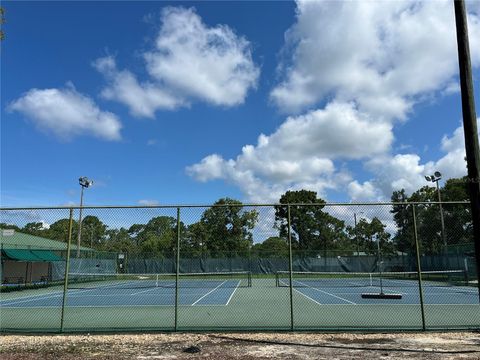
(188, 102)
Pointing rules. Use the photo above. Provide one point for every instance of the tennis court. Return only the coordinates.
(223, 301)
(93, 290)
(187, 286)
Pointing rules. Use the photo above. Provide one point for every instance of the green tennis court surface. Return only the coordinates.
(147, 302)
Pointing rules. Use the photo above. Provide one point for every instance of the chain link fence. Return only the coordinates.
(389, 266)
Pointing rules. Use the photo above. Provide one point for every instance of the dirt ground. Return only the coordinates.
(458, 345)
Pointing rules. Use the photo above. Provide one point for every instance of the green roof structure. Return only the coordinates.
(10, 239)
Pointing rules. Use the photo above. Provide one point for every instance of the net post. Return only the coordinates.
(290, 266)
(465, 271)
(67, 270)
(419, 269)
(177, 270)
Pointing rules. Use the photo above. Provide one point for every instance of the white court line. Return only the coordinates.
(209, 292)
(143, 291)
(216, 305)
(338, 297)
(230, 298)
(40, 297)
(453, 288)
(308, 297)
(49, 296)
(427, 286)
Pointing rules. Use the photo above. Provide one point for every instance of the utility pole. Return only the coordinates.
(469, 124)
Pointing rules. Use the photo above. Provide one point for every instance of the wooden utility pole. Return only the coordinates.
(469, 124)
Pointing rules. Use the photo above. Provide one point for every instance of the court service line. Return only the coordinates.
(143, 291)
(52, 295)
(41, 297)
(308, 297)
(209, 292)
(230, 298)
(325, 292)
(301, 293)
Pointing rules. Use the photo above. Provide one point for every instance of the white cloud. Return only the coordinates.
(142, 99)
(401, 171)
(405, 171)
(148, 202)
(300, 153)
(210, 168)
(379, 54)
(370, 63)
(212, 64)
(67, 113)
(363, 192)
(190, 61)
(453, 164)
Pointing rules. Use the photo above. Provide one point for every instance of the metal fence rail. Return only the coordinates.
(382, 266)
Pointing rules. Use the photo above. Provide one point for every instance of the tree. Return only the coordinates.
(2, 21)
(273, 247)
(302, 217)
(156, 238)
(403, 217)
(312, 228)
(93, 231)
(457, 218)
(194, 241)
(369, 234)
(134, 231)
(33, 228)
(59, 230)
(227, 228)
(118, 240)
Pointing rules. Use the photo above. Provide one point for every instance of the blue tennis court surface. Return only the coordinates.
(211, 293)
(410, 295)
(220, 293)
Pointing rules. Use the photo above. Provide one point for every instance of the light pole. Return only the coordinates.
(435, 178)
(356, 232)
(84, 183)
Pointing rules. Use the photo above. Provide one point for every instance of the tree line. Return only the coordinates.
(227, 229)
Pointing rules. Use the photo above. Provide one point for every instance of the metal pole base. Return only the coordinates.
(381, 296)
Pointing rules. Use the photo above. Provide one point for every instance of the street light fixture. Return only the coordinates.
(435, 178)
(84, 183)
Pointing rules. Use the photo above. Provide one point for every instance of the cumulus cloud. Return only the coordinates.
(363, 192)
(379, 54)
(406, 171)
(143, 99)
(190, 61)
(363, 66)
(67, 113)
(300, 153)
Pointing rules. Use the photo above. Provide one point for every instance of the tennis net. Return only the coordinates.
(165, 280)
(388, 279)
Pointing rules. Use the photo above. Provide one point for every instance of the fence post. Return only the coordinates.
(290, 266)
(419, 268)
(177, 270)
(67, 270)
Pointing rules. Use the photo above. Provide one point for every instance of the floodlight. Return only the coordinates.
(428, 178)
(438, 174)
(85, 182)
